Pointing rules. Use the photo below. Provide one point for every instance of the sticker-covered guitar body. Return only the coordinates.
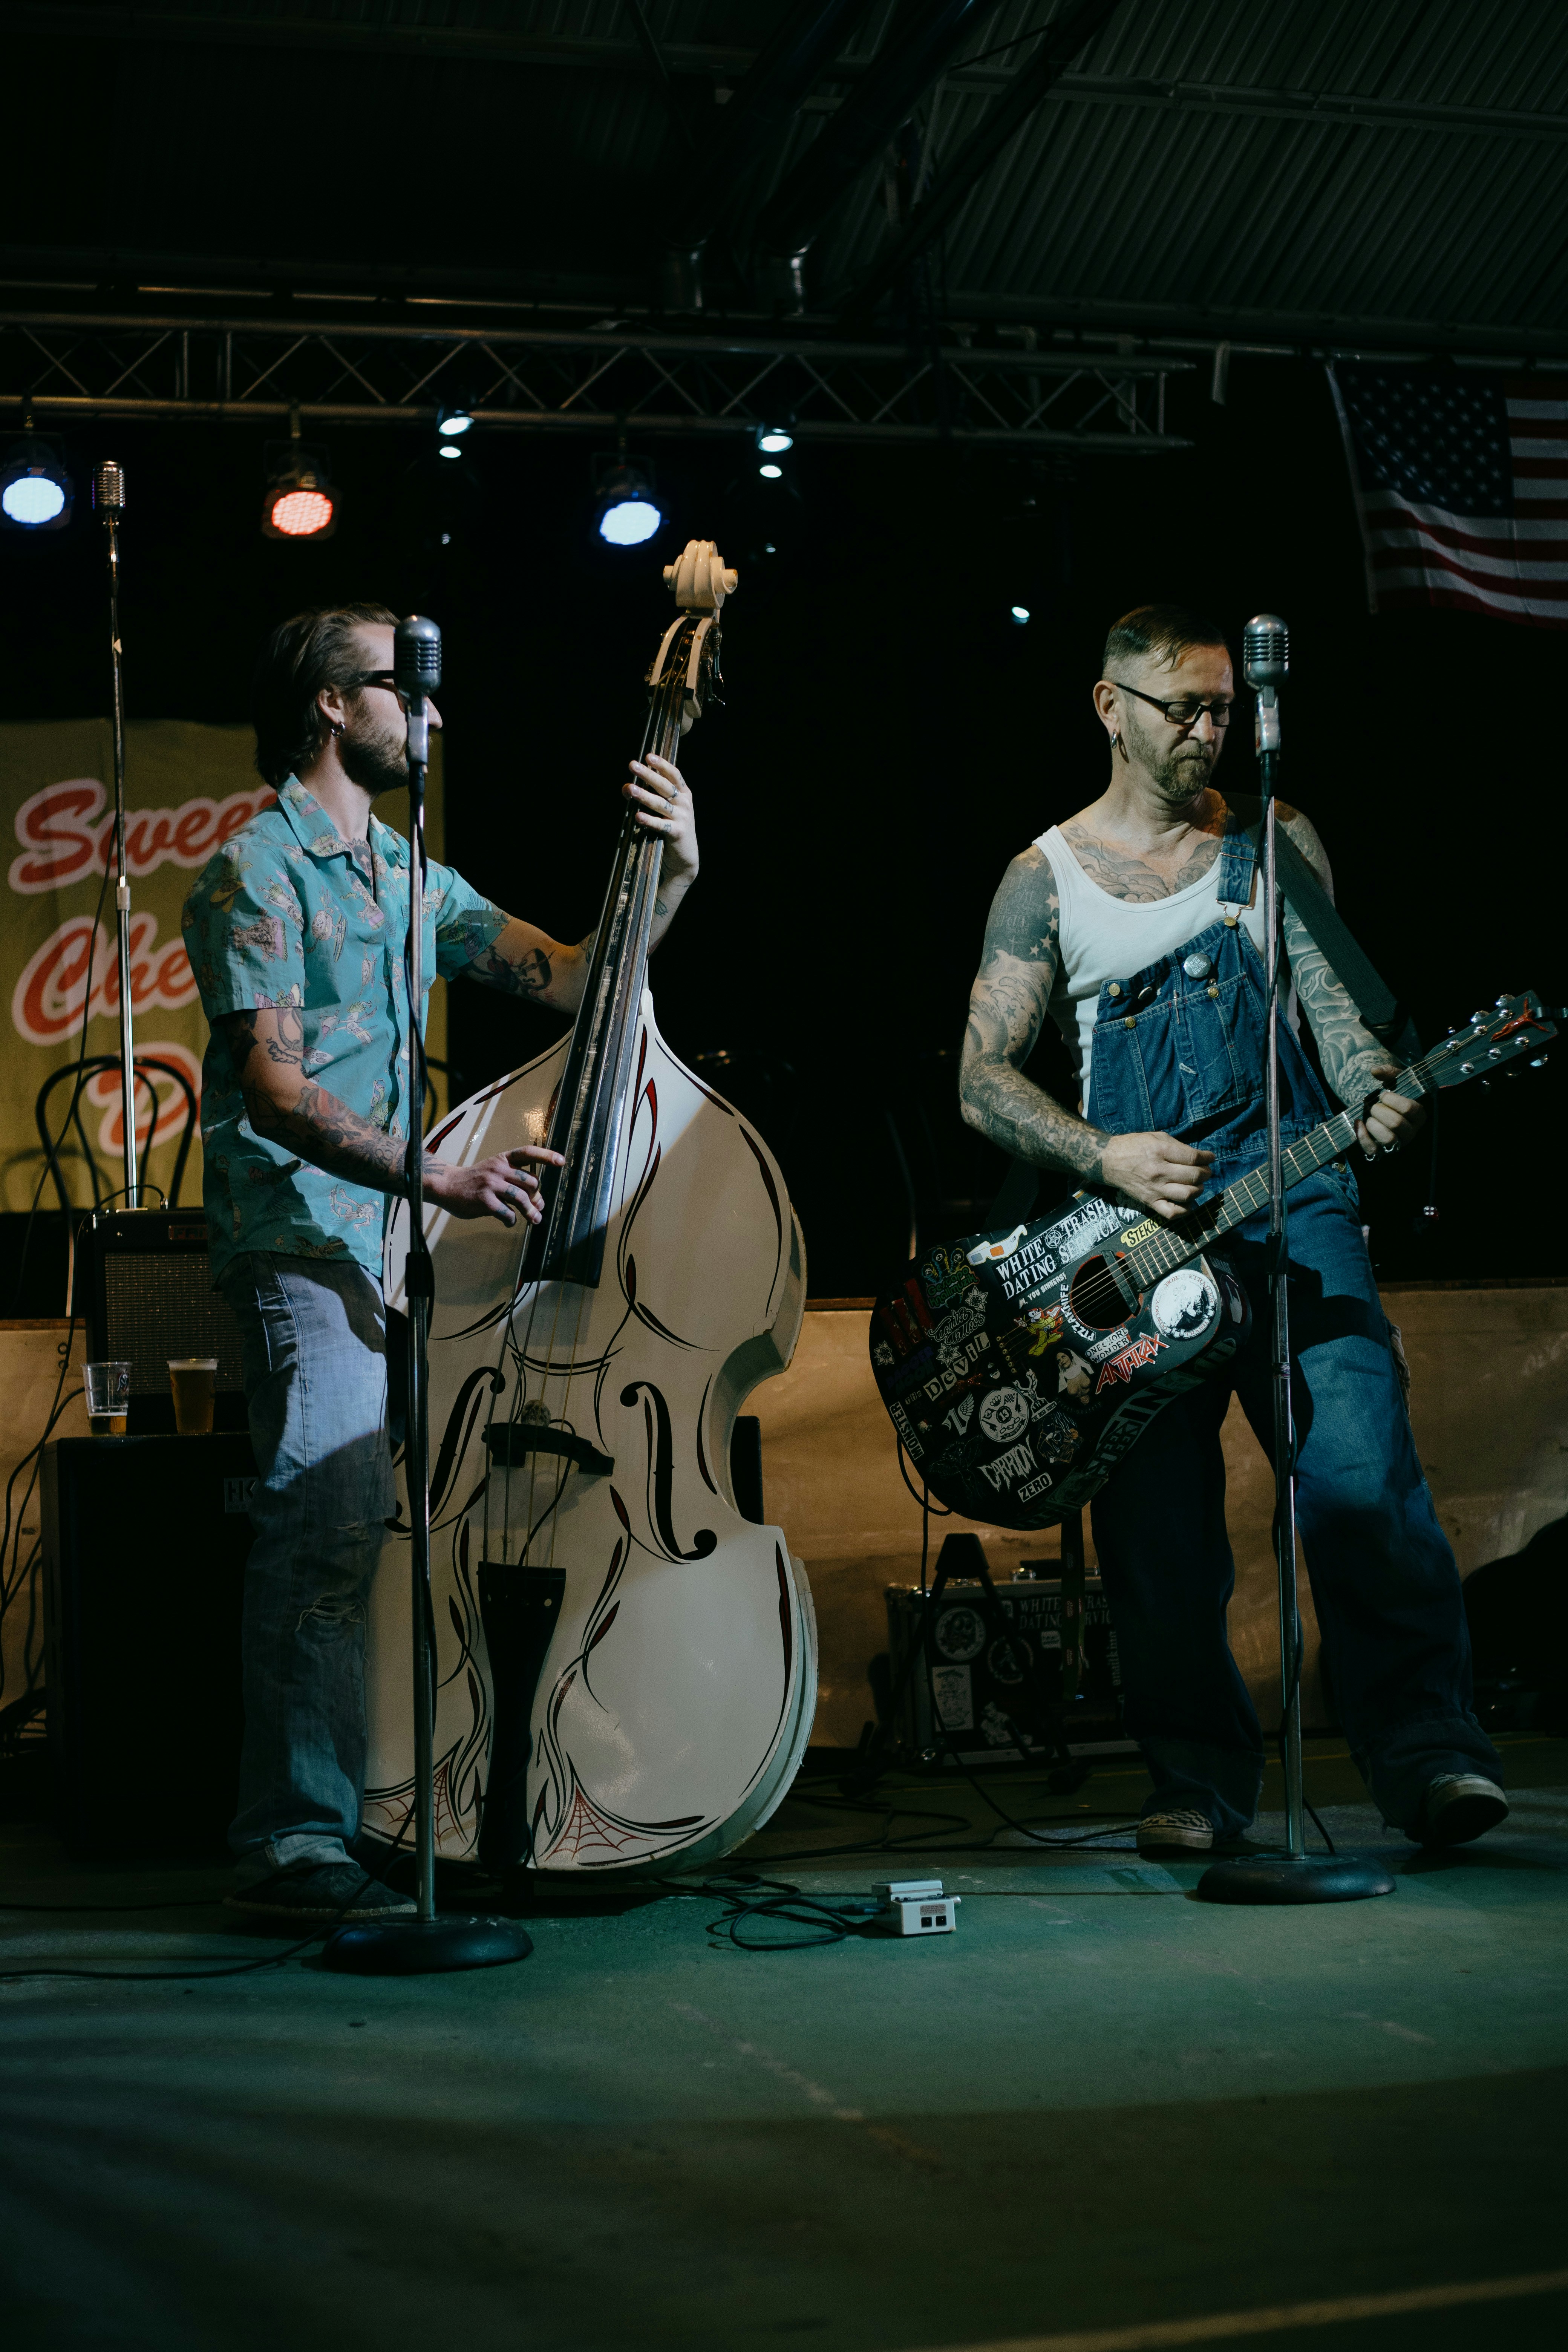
(1016, 1374)
(1019, 1368)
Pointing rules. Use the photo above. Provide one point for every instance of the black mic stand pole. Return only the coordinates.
(109, 497)
(1270, 1878)
(426, 1944)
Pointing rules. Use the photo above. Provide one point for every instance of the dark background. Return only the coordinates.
(891, 738)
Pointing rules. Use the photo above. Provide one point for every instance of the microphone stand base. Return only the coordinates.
(1287, 1878)
(423, 1947)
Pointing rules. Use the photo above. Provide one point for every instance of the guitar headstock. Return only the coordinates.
(1515, 1027)
(699, 583)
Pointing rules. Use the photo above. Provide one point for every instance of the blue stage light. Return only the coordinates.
(35, 491)
(629, 512)
(770, 473)
(773, 440)
(1020, 614)
(450, 421)
(629, 522)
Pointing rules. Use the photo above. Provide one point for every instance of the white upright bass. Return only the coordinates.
(626, 1667)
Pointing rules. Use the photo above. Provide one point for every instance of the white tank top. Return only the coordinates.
(1102, 939)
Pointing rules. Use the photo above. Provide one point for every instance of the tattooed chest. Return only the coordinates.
(1122, 874)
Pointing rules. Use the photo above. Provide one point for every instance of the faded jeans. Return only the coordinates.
(1382, 1574)
(314, 1355)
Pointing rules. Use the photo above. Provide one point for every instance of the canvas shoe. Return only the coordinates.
(320, 1890)
(1175, 1829)
(1460, 1806)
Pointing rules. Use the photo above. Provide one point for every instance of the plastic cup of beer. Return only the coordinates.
(193, 1380)
(108, 1390)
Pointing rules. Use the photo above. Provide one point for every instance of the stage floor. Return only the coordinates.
(1103, 2106)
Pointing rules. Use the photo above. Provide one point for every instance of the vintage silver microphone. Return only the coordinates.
(1263, 1878)
(108, 499)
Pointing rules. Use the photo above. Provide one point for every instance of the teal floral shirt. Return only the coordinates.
(287, 913)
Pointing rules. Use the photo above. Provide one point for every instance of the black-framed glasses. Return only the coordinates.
(378, 677)
(1186, 709)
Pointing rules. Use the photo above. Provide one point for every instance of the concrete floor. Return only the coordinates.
(1102, 2104)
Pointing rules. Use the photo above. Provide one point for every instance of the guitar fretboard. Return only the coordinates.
(1191, 1234)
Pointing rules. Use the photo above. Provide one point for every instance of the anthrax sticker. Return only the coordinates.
(1132, 1359)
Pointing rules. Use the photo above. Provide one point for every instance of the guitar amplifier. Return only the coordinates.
(978, 1696)
(144, 1541)
(143, 1286)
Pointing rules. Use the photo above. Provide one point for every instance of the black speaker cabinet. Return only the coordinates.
(145, 1541)
(143, 1288)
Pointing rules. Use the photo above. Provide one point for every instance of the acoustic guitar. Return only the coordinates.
(1019, 1367)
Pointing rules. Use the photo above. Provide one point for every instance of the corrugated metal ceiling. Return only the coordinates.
(1330, 170)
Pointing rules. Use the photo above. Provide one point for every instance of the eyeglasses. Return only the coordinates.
(1185, 710)
(377, 677)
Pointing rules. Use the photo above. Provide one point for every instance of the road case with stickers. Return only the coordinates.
(986, 1687)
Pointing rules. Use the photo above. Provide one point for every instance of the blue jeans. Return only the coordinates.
(1384, 1577)
(314, 1355)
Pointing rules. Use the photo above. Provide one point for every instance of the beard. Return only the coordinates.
(1179, 774)
(376, 759)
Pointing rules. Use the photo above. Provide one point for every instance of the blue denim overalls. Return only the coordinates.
(1183, 1051)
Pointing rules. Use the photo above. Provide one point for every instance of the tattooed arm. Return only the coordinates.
(523, 961)
(267, 1050)
(526, 961)
(1006, 1006)
(1353, 1060)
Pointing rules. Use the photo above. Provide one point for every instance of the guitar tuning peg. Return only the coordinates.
(1537, 1062)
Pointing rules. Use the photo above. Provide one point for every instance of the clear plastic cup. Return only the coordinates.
(193, 1380)
(108, 1388)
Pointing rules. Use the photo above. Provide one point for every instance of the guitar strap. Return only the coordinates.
(1382, 1011)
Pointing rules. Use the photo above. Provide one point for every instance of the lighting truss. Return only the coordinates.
(599, 380)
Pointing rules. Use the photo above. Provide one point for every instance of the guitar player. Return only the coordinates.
(1137, 927)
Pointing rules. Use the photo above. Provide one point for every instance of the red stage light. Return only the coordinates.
(300, 514)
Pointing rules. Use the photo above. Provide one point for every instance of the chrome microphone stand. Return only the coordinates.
(1291, 1878)
(426, 1944)
(109, 497)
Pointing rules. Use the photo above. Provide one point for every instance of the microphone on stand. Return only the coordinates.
(1265, 664)
(109, 490)
(417, 672)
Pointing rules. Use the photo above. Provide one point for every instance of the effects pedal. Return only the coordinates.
(914, 1906)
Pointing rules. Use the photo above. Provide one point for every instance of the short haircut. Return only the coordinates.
(1167, 631)
(302, 656)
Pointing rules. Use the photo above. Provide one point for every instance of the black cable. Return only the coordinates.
(940, 1511)
(238, 1968)
(834, 1923)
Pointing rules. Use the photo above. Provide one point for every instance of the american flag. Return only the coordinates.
(1462, 482)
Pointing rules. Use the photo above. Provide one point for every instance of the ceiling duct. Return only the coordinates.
(763, 104)
(924, 38)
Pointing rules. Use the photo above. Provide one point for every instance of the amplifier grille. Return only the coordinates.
(158, 1306)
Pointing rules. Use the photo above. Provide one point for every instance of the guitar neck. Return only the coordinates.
(1181, 1243)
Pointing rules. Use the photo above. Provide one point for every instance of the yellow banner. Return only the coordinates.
(187, 789)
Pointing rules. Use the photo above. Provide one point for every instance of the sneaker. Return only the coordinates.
(1460, 1806)
(321, 1890)
(1175, 1831)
